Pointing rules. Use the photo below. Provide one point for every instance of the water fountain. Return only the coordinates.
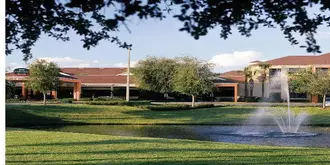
(288, 121)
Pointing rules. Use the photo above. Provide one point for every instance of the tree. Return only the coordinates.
(43, 76)
(10, 89)
(97, 20)
(193, 77)
(155, 74)
(317, 83)
(248, 75)
(264, 67)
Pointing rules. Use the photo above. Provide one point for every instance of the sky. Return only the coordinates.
(163, 39)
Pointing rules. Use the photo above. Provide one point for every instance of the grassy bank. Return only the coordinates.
(24, 115)
(22, 147)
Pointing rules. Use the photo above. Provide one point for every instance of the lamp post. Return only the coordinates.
(128, 73)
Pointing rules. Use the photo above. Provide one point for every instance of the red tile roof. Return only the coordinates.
(94, 71)
(323, 59)
(98, 75)
(235, 75)
(257, 61)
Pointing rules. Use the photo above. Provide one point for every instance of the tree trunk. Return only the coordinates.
(44, 94)
(193, 101)
(246, 88)
(262, 89)
(323, 102)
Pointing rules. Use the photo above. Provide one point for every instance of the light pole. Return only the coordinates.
(128, 73)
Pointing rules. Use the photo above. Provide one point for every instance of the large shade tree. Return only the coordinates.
(155, 74)
(43, 77)
(193, 77)
(96, 20)
(315, 83)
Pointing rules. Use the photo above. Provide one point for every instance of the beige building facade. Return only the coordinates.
(288, 64)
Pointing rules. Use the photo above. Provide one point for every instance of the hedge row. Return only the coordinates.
(120, 102)
(176, 107)
(52, 101)
(101, 99)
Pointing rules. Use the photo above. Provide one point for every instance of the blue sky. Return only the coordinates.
(162, 38)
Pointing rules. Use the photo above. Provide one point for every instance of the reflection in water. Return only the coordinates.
(203, 133)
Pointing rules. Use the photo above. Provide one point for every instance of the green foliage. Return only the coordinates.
(53, 101)
(26, 21)
(251, 99)
(299, 81)
(168, 107)
(193, 77)
(155, 74)
(10, 89)
(86, 99)
(66, 100)
(43, 76)
(248, 74)
(264, 68)
(106, 99)
(119, 102)
(317, 83)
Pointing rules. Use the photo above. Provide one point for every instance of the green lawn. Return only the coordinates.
(23, 115)
(40, 147)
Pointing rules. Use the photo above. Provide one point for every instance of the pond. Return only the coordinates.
(203, 133)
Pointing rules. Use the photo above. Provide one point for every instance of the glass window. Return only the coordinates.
(322, 69)
(298, 95)
(272, 72)
(294, 70)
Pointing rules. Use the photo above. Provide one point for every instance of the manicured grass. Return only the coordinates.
(40, 147)
(24, 115)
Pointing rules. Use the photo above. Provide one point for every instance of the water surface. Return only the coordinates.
(203, 133)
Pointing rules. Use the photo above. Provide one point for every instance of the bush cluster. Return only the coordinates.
(120, 102)
(176, 107)
(106, 99)
(51, 101)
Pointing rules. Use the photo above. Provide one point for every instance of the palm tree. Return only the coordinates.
(264, 69)
(248, 74)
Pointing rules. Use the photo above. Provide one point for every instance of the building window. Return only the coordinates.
(322, 69)
(298, 95)
(294, 70)
(272, 72)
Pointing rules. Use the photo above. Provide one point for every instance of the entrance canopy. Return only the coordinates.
(224, 83)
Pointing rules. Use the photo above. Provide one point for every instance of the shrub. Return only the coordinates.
(13, 100)
(107, 99)
(119, 102)
(49, 101)
(205, 106)
(66, 100)
(86, 99)
(168, 107)
(176, 107)
(251, 99)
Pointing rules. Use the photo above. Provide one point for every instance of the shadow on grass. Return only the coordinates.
(60, 108)
(22, 118)
(184, 155)
(217, 115)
